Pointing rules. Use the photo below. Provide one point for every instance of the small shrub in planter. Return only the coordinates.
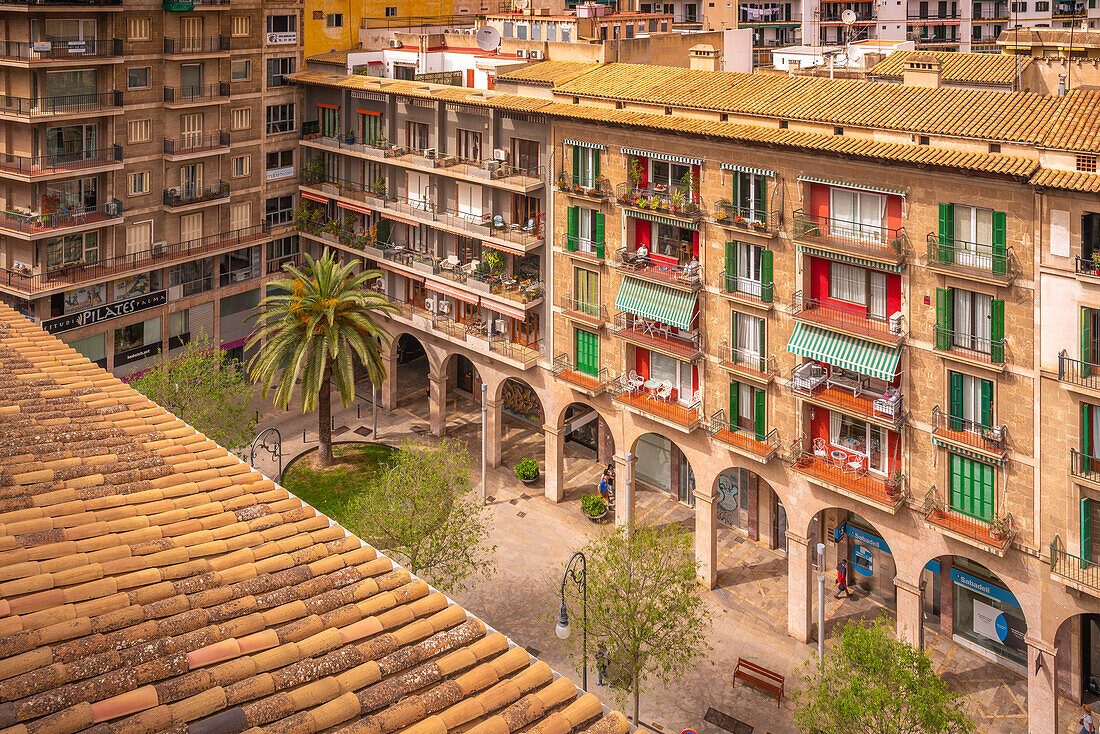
(594, 506)
(527, 470)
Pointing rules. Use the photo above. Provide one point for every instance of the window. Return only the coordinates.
(139, 237)
(280, 118)
(179, 328)
(588, 352)
(749, 270)
(994, 147)
(328, 120)
(922, 140)
(971, 487)
(838, 130)
(969, 321)
(282, 247)
(406, 72)
(140, 29)
(242, 165)
(748, 409)
(416, 135)
(370, 127)
(747, 339)
(241, 118)
(586, 166)
(279, 209)
(750, 196)
(847, 283)
(391, 12)
(276, 68)
(1090, 236)
(416, 186)
(139, 131)
(783, 124)
(468, 145)
(134, 337)
(525, 155)
(470, 201)
(240, 70)
(191, 278)
(70, 249)
(585, 230)
(679, 373)
(138, 77)
(280, 159)
(1019, 7)
(240, 216)
(971, 399)
(282, 23)
(666, 173)
(858, 437)
(138, 183)
(334, 20)
(1086, 162)
(857, 213)
(586, 292)
(94, 348)
(240, 25)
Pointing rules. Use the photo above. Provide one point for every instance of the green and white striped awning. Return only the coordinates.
(664, 156)
(847, 352)
(681, 223)
(845, 184)
(656, 302)
(852, 259)
(749, 169)
(582, 144)
(956, 449)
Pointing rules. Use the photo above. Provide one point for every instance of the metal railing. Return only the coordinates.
(971, 346)
(1087, 265)
(889, 490)
(564, 369)
(55, 162)
(276, 265)
(196, 44)
(61, 49)
(66, 217)
(850, 318)
(674, 200)
(196, 92)
(1078, 372)
(997, 531)
(1083, 466)
(595, 311)
(1077, 569)
(681, 275)
(657, 336)
(583, 247)
(196, 143)
(686, 415)
(887, 407)
(763, 445)
(750, 219)
(878, 240)
(763, 364)
(969, 432)
(601, 188)
(745, 287)
(972, 256)
(185, 195)
(60, 104)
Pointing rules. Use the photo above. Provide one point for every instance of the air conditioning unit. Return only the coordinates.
(895, 322)
(444, 307)
(501, 326)
(430, 304)
(174, 292)
(429, 153)
(394, 43)
(534, 54)
(159, 248)
(521, 53)
(500, 154)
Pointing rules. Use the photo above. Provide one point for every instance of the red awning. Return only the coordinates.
(410, 222)
(451, 291)
(516, 313)
(514, 249)
(315, 197)
(368, 112)
(329, 106)
(353, 207)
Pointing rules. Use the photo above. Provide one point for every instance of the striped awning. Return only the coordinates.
(582, 144)
(663, 156)
(315, 197)
(353, 207)
(847, 352)
(969, 453)
(506, 310)
(852, 259)
(845, 184)
(749, 169)
(656, 302)
(681, 223)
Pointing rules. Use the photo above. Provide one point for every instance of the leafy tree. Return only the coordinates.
(422, 509)
(325, 315)
(873, 683)
(207, 388)
(645, 606)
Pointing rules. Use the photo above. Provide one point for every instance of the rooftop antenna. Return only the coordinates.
(849, 17)
(488, 39)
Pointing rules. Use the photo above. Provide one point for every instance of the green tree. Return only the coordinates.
(324, 316)
(207, 388)
(873, 683)
(422, 509)
(645, 606)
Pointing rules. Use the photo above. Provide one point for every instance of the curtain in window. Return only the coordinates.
(877, 306)
(847, 283)
(748, 268)
(748, 336)
(964, 316)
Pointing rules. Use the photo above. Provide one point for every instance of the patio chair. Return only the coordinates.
(450, 263)
(498, 222)
(665, 391)
(634, 381)
(530, 226)
(821, 450)
(855, 465)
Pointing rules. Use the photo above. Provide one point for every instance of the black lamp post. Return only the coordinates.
(576, 569)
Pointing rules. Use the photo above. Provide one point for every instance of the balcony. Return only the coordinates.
(599, 192)
(971, 260)
(658, 337)
(60, 163)
(69, 218)
(196, 46)
(72, 50)
(667, 410)
(583, 248)
(672, 201)
(1073, 571)
(1078, 373)
(970, 348)
(994, 535)
(849, 320)
(877, 242)
(192, 195)
(70, 104)
(567, 372)
(745, 290)
(197, 94)
(475, 335)
(592, 313)
(277, 265)
(746, 363)
(744, 441)
(85, 5)
(158, 256)
(1083, 466)
(684, 277)
(848, 392)
(744, 219)
(951, 431)
(193, 145)
(885, 493)
(1087, 265)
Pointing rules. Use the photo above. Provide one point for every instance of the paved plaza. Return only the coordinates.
(535, 538)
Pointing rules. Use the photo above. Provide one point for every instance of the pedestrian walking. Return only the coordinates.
(842, 579)
(601, 665)
(1087, 726)
(604, 489)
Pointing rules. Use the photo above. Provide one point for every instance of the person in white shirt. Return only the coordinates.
(641, 255)
(1087, 726)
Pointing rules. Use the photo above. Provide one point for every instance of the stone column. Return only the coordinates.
(492, 428)
(947, 599)
(624, 497)
(554, 478)
(388, 392)
(799, 586)
(437, 404)
(674, 459)
(1042, 703)
(910, 613)
(706, 537)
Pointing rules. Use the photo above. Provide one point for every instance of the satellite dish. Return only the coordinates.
(848, 16)
(488, 39)
(521, 4)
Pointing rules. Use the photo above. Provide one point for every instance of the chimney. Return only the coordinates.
(921, 70)
(1061, 85)
(703, 57)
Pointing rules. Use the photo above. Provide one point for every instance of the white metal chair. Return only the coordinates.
(450, 263)
(855, 466)
(664, 392)
(821, 449)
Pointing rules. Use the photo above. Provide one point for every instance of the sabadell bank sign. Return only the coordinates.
(104, 313)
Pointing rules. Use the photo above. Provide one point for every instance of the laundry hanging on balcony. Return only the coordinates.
(656, 302)
(846, 352)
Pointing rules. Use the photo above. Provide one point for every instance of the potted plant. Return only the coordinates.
(493, 260)
(739, 220)
(893, 484)
(758, 225)
(527, 470)
(379, 187)
(349, 137)
(594, 507)
(1096, 262)
(1001, 526)
(635, 172)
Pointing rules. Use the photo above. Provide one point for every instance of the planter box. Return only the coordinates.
(420, 160)
(327, 237)
(372, 251)
(478, 286)
(372, 152)
(423, 267)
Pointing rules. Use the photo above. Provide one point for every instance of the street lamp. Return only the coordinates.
(580, 578)
(484, 440)
(821, 603)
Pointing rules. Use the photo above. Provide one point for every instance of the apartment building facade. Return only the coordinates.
(149, 169)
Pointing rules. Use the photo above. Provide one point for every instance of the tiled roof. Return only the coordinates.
(151, 581)
(1049, 37)
(958, 66)
(332, 57)
(1069, 180)
(549, 73)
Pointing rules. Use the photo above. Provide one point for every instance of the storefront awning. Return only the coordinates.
(857, 355)
(583, 144)
(656, 302)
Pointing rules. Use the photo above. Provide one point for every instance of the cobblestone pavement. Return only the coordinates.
(535, 537)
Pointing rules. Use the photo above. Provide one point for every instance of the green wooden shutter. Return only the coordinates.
(731, 267)
(985, 509)
(1086, 341)
(595, 166)
(763, 325)
(957, 475)
(588, 352)
(1086, 434)
(1000, 247)
(576, 165)
(734, 321)
(735, 394)
(987, 403)
(599, 234)
(956, 406)
(572, 218)
(760, 414)
(766, 276)
(971, 487)
(744, 187)
(947, 233)
(943, 318)
(763, 201)
(997, 331)
(1086, 532)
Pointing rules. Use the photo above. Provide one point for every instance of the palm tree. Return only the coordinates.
(325, 315)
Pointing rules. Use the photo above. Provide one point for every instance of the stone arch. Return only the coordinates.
(520, 398)
(747, 501)
(1077, 657)
(406, 370)
(401, 338)
(650, 465)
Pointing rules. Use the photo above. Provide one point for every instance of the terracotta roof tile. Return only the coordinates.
(958, 66)
(548, 73)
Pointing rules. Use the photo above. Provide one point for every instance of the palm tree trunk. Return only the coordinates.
(324, 419)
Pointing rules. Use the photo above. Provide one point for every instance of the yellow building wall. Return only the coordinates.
(319, 38)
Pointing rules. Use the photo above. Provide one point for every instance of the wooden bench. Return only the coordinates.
(760, 678)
